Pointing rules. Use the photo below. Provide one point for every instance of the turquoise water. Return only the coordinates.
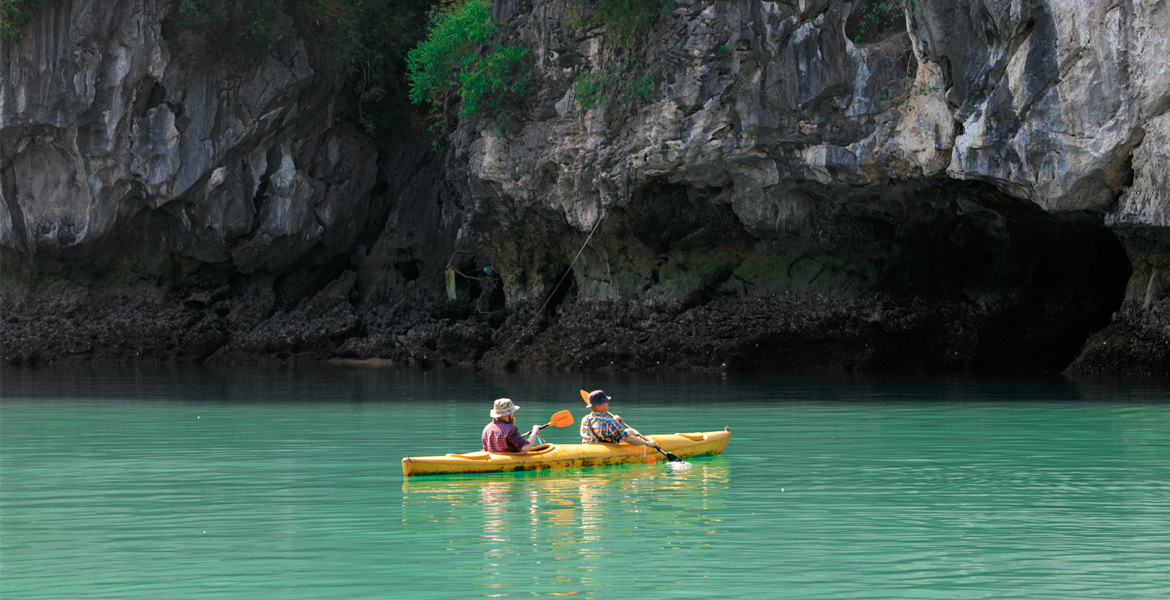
(282, 484)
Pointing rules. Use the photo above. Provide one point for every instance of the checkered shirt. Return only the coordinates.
(499, 436)
(602, 427)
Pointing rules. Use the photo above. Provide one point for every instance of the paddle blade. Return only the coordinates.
(561, 419)
(585, 396)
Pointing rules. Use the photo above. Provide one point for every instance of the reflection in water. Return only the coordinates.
(575, 517)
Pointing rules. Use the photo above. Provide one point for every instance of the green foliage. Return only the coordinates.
(464, 53)
(592, 88)
(919, 90)
(615, 86)
(453, 40)
(879, 12)
(626, 20)
(623, 81)
(915, 91)
(965, 111)
(14, 16)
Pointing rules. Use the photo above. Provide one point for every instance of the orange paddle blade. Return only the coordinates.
(561, 419)
(585, 396)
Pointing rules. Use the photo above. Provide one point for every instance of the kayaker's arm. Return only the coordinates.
(531, 438)
(637, 439)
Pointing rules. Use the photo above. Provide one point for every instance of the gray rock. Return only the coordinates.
(104, 123)
(780, 155)
(1147, 201)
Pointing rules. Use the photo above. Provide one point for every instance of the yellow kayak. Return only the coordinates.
(568, 456)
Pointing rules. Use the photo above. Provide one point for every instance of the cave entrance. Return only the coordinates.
(565, 287)
(408, 269)
(1078, 275)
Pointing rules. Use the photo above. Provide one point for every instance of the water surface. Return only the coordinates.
(282, 484)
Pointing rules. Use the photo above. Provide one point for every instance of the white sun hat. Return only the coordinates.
(503, 408)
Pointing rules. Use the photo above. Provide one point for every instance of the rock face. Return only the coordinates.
(946, 186)
(157, 199)
(114, 136)
(789, 153)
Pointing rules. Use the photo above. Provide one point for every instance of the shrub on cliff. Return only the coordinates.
(624, 20)
(464, 53)
(622, 81)
(14, 15)
(874, 15)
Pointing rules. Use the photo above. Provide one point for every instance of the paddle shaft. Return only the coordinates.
(669, 455)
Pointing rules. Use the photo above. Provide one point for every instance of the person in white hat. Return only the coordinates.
(501, 434)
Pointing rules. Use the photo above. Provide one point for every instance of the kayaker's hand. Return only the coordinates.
(536, 428)
(651, 443)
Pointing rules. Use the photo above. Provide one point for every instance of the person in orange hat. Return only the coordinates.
(604, 427)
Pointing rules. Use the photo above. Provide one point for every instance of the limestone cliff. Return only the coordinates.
(161, 200)
(930, 192)
(969, 185)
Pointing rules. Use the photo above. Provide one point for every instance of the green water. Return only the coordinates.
(281, 484)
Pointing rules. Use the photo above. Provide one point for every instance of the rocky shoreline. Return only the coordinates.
(756, 334)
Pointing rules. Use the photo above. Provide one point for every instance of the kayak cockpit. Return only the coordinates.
(484, 455)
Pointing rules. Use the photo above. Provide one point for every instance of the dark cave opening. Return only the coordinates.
(662, 215)
(407, 268)
(1034, 285)
(300, 284)
(566, 287)
(1079, 273)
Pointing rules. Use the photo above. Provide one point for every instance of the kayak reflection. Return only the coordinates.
(580, 500)
(577, 523)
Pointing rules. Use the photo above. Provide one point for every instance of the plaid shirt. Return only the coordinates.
(602, 427)
(499, 436)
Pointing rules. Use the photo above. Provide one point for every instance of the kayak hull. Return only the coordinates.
(568, 456)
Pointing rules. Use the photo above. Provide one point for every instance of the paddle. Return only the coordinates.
(563, 418)
(670, 456)
(560, 419)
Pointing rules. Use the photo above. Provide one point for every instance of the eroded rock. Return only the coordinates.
(107, 126)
